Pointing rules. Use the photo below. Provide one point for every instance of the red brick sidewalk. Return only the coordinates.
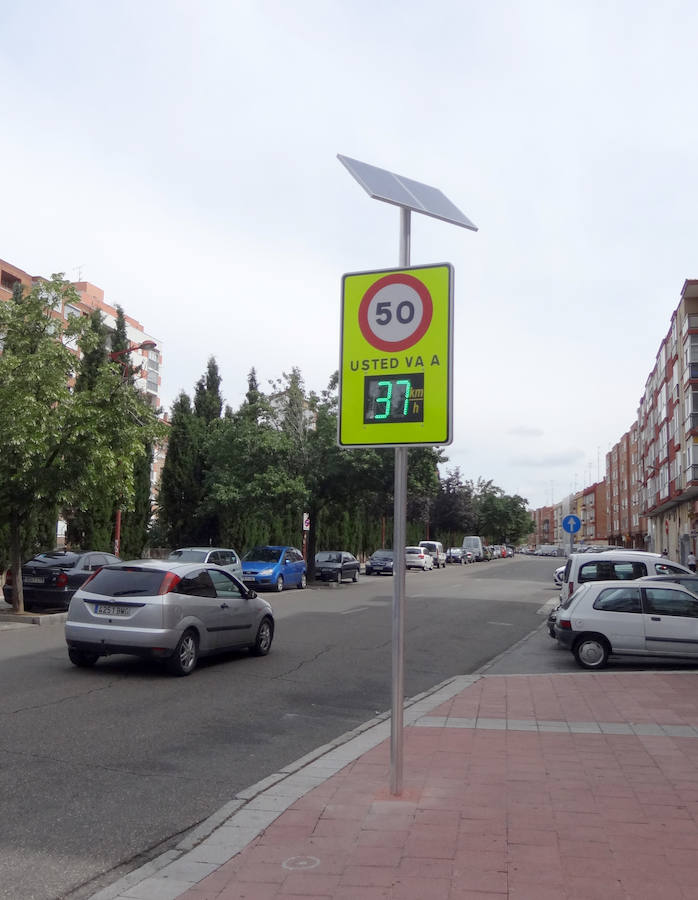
(539, 787)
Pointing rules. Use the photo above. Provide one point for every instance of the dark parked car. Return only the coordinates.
(50, 579)
(336, 565)
(380, 563)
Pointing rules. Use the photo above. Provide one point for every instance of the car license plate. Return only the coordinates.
(248, 579)
(32, 579)
(108, 609)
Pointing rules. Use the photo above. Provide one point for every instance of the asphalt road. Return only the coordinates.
(102, 769)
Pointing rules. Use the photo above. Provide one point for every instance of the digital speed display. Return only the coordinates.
(393, 398)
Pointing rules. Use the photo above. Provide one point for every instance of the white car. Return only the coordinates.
(633, 618)
(418, 558)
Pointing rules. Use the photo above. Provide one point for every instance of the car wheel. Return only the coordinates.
(265, 635)
(82, 659)
(302, 582)
(183, 660)
(591, 651)
(356, 576)
(279, 584)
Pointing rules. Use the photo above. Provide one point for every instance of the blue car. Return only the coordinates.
(274, 568)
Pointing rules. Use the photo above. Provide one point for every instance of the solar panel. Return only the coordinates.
(400, 191)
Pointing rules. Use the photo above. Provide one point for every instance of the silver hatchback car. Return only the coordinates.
(165, 610)
(634, 618)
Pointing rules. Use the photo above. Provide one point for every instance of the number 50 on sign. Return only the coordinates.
(396, 367)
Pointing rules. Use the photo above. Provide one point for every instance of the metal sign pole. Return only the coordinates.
(399, 542)
(407, 194)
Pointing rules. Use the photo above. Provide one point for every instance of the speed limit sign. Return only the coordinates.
(396, 357)
(395, 312)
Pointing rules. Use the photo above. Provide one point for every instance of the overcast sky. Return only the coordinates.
(182, 156)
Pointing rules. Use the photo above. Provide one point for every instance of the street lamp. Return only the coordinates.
(114, 356)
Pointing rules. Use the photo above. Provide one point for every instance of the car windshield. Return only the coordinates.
(189, 555)
(124, 582)
(328, 556)
(383, 554)
(262, 554)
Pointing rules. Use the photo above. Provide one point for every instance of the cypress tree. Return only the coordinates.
(180, 486)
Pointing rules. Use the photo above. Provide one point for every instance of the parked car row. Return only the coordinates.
(627, 603)
(51, 579)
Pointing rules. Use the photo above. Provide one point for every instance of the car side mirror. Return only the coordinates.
(251, 595)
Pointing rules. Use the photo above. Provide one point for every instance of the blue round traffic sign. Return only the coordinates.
(571, 524)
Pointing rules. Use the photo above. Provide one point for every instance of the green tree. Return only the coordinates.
(181, 487)
(453, 514)
(92, 528)
(59, 447)
(135, 523)
(252, 481)
(208, 402)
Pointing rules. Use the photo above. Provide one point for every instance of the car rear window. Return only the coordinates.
(124, 582)
(262, 554)
(189, 555)
(624, 599)
(606, 570)
(327, 556)
(60, 559)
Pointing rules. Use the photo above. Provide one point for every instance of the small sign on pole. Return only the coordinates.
(306, 522)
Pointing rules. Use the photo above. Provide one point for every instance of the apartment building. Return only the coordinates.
(668, 434)
(593, 514)
(545, 525)
(625, 523)
(92, 297)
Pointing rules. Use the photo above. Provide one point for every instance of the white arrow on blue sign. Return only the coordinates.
(571, 524)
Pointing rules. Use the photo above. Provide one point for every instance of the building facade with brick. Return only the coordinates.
(668, 434)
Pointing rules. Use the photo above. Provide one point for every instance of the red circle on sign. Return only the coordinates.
(418, 334)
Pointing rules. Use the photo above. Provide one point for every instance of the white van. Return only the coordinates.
(614, 565)
(436, 551)
(474, 544)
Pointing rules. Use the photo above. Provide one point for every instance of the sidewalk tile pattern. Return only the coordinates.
(542, 787)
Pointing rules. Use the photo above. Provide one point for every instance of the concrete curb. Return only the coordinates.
(27, 618)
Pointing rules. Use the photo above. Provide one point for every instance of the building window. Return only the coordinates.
(8, 280)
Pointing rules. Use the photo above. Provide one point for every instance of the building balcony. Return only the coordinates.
(690, 373)
(690, 323)
(692, 474)
(691, 423)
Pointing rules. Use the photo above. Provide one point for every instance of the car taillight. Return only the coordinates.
(571, 588)
(62, 580)
(564, 624)
(8, 577)
(169, 583)
(85, 583)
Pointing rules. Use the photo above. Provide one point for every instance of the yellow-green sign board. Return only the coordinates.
(396, 365)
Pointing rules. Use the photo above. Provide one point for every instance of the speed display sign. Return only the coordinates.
(396, 357)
